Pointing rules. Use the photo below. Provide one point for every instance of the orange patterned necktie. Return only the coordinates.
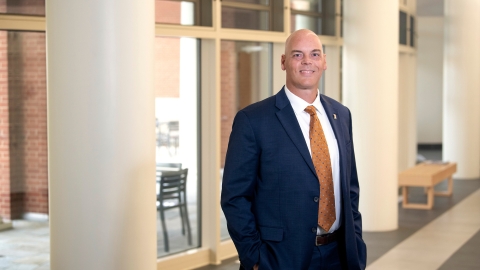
(323, 167)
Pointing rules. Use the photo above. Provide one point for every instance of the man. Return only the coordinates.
(290, 188)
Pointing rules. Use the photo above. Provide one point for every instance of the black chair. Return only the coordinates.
(173, 195)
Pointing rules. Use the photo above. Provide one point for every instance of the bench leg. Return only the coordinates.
(430, 197)
(449, 190)
(428, 205)
(405, 196)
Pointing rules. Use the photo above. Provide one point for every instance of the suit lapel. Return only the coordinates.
(333, 118)
(335, 122)
(289, 121)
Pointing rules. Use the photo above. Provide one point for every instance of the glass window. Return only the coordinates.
(258, 2)
(321, 84)
(341, 18)
(253, 14)
(245, 18)
(176, 117)
(189, 12)
(24, 108)
(403, 28)
(316, 15)
(412, 31)
(246, 77)
(23, 148)
(306, 5)
(23, 7)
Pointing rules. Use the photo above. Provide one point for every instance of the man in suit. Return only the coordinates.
(285, 209)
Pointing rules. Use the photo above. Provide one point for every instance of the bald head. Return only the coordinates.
(300, 35)
(304, 63)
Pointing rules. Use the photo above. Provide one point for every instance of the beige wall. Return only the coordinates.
(429, 80)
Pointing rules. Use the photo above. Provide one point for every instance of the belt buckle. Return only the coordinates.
(325, 239)
(320, 237)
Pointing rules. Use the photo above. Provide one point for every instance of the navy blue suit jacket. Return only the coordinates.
(269, 186)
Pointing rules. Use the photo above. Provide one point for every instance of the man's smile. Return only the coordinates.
(306, 71)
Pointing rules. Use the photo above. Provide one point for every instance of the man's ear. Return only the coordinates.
(282, 61)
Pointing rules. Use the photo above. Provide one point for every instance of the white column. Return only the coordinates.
(277, 72)
(461, 87)
(101, 134)
(429, 80)
(332, 74)
(407, 136)
(370, 85)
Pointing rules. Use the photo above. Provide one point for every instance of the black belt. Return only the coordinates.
(325, 239)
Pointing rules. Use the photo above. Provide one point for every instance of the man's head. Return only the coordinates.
(303, 61)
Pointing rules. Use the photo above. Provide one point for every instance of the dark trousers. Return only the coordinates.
(326, 257)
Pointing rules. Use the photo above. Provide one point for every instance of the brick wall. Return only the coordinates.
(167, 52)
(4, 131)
(228, 95)
(3, 6)
(30, 7)
(167, 12)
(27, 112)
(167, 67)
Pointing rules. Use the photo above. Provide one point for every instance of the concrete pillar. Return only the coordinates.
(101, 134)
(332, 74)
(370, 85)
(407, 136)
(461, 87)
(430, 79)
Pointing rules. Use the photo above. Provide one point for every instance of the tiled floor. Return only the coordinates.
(432, 245)
(446, 237)
(25, 247)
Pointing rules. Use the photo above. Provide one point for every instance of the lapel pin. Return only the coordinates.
(334, 116)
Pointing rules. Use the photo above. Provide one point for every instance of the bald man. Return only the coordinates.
(290, 190)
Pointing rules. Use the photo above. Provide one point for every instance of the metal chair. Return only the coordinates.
(173, 195)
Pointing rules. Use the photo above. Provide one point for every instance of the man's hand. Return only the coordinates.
(255, 267)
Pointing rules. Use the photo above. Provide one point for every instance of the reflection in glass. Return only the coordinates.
(176, 111)
(403, 28)
(412, 31)
(23, 150)
(246, 76)
(175, 12)
(316, 15)
(321, 26)
(307, 22)
(306, 5)
(23, 128)
(23, 7)
(258, 2)
(245, 18)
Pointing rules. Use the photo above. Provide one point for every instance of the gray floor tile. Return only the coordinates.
(27, 246)
(467, 257)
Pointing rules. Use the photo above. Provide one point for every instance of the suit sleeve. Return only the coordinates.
(238, 190)
(354, 199)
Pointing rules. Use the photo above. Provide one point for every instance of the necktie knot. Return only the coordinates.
(311, 110)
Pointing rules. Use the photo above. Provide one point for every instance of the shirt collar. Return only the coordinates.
(299, 105)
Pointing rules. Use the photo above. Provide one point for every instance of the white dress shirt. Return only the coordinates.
(303, 118)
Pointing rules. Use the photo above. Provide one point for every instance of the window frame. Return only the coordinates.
(212, 250)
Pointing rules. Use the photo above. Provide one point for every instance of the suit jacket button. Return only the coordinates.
(315, 199)
(314, 230)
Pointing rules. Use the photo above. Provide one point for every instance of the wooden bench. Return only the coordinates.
(427, 175)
